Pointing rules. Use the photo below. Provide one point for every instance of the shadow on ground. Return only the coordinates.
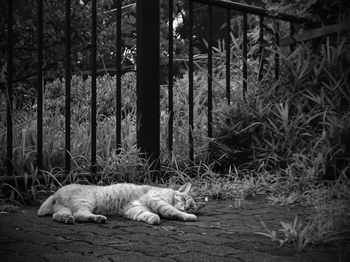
(222, 233)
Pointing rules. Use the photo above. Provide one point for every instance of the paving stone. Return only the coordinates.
(143, 228)
(22, 249)
(198, 256)
(222, 233)
(136, 257)
(14, 257)
(263, 257)
(149, 239)
(73, 256)
(146, 249)
(210, 249)
(324, 256)
(201, 230)
(187, 237)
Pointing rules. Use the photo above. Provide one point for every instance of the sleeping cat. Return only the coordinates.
(85, 203)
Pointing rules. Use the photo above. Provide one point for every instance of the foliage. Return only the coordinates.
(329, 221)
(81, 92)
(298, 124)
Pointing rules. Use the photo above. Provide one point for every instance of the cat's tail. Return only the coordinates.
(46, 208)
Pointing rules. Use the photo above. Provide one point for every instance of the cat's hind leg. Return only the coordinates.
(85, 215)
(63, 215)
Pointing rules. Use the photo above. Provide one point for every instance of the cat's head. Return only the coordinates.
(184, 201)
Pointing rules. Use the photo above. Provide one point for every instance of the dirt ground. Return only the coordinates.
(222, 233)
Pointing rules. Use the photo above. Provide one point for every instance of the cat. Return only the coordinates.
(90, 203)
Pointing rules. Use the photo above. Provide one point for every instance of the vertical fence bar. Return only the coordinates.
(261, 47)
(147, 85)
(291, 34)
(67, 82)
(9, 85)
(210, 70)
(118, 75)
(245, 49)
(93, 85)
(40, 86)
(228, 56)
(190, 81)
(170, 79)
(277, 56)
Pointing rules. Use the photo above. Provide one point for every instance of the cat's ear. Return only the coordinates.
(185, 189)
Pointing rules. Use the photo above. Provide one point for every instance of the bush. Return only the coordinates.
(300, 122)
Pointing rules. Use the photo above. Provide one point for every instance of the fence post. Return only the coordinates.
(40, 86)
(228, 56)
(291, 34)
(171, 79)
(210, 71)
(147, 85)
(118, 75)
(93, 85)
(9, 86)
(245, 52)
(277, 56)
(68, 87)
(190, 82)
(261, 47)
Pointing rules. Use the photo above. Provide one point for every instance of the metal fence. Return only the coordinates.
(244, 10)
(147, 72)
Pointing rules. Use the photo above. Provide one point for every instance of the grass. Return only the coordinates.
(328, 222)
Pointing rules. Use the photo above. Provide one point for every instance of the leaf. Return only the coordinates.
(266, 235)
(205, 43)
(285, 225)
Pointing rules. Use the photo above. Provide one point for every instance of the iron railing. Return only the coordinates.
(244, 10)
(147, 72)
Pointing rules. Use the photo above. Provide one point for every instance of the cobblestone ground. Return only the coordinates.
(222, 233)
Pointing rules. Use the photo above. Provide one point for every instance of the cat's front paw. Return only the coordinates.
(68, 219)
(153, 220)
(63, 218)
(100, 219)
(191, 218)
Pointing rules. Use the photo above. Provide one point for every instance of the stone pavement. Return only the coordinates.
(222, 233)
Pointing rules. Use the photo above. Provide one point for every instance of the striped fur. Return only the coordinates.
(85, 203)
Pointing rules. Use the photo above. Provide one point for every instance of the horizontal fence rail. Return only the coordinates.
(147, 71)
(253, 10)
(312, 34)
